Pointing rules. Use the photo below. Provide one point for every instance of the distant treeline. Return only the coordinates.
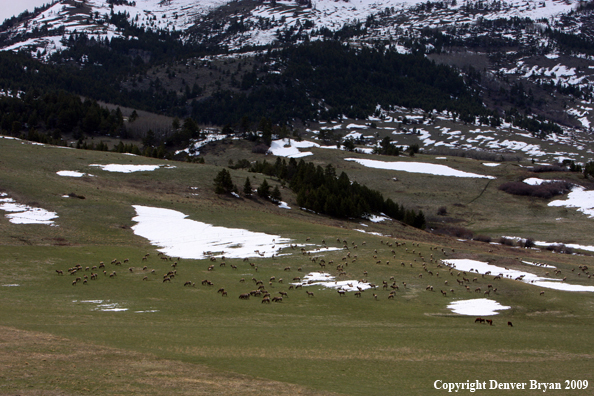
(325, 80)
(322, 191)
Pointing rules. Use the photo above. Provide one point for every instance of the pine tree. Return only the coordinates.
(223, 183)
(264, 189)
(276, 195)
(247, 187)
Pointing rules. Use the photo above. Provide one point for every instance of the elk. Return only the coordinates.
(244, 296)
(309, 294)
(277, 299)
(510, 324)
(60, 272)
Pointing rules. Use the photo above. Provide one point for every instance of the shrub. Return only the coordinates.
(545, 190)
(506, 241)
(482, 238)
(260, 149)
(560, 248)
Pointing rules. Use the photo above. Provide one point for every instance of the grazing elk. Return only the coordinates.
(510, 324)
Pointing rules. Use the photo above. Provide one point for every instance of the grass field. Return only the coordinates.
(171, 339)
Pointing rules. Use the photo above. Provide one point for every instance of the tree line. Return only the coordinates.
(321, 190)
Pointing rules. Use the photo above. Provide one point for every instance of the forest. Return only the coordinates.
(323, 191)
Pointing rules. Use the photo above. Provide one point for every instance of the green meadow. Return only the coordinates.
(57, 338)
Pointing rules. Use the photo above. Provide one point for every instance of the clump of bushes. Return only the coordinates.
(560, 248)
(482, 238)
(506, 241)
(545, 190)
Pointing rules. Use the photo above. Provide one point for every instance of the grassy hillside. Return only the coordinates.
(191, 340)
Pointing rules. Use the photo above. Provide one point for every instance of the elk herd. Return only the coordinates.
(427, 264)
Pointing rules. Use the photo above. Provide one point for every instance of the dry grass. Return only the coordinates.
(34, 363)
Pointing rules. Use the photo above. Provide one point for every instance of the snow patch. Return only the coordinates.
(417, 167)
(130, 168)
(476, 307)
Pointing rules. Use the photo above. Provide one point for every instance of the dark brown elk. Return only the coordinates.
(266, 300)
(277, 299)
(341, 292)
(60, 272)
(309, 294)
(284, 294)
(189, 283)
(490, 321)
(480, 320)
(244, 296)
(510, 324)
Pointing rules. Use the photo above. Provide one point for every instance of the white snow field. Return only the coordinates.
(477, 307)
(327, 280)
(290, 148)
(578, 198)
(24, 214)
(480, 267)
(417, 167)
(178, 236)
(130, 168)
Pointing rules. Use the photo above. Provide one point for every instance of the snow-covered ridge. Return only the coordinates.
(265, 20)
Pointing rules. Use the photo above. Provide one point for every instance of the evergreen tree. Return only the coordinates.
(264, 189)
(276, 195)
(247, 187)
(223, 183)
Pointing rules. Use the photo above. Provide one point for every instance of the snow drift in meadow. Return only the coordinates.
(476, 307)
(178, 236)
(72, 174)
(24, 214)
(416, 167)
(327, 280)
(578, 198)
(290, 148)
(480, 267)
(130, 168)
